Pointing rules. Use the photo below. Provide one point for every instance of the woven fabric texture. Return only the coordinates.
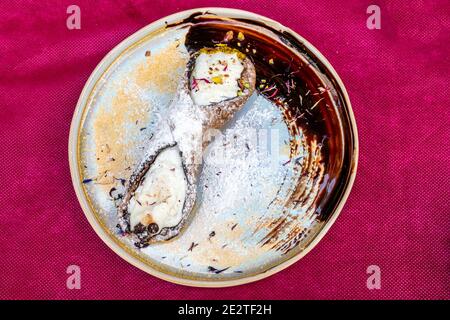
(397, 216)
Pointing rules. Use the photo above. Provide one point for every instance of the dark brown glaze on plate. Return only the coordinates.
(290, 75)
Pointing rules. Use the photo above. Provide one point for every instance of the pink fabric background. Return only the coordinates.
(397, 215)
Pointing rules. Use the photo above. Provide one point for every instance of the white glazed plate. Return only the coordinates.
(257, 213)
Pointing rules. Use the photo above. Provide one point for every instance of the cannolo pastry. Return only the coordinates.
(162, 191)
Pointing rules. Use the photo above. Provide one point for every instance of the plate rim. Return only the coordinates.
(77, 120)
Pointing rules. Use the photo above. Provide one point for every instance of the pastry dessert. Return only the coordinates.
(162, 191)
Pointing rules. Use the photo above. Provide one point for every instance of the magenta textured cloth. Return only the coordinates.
(397, 216)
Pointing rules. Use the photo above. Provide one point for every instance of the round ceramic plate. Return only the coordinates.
(292, 166)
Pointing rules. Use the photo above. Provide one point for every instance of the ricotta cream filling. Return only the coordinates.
(160, 197)
(215, 77)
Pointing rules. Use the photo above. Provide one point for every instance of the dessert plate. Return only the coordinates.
(273, 180)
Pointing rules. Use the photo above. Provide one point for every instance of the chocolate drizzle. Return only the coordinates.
(291, 75)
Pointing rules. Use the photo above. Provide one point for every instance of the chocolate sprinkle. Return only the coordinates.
(153, 228)
(193, 245)
(217, 271)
